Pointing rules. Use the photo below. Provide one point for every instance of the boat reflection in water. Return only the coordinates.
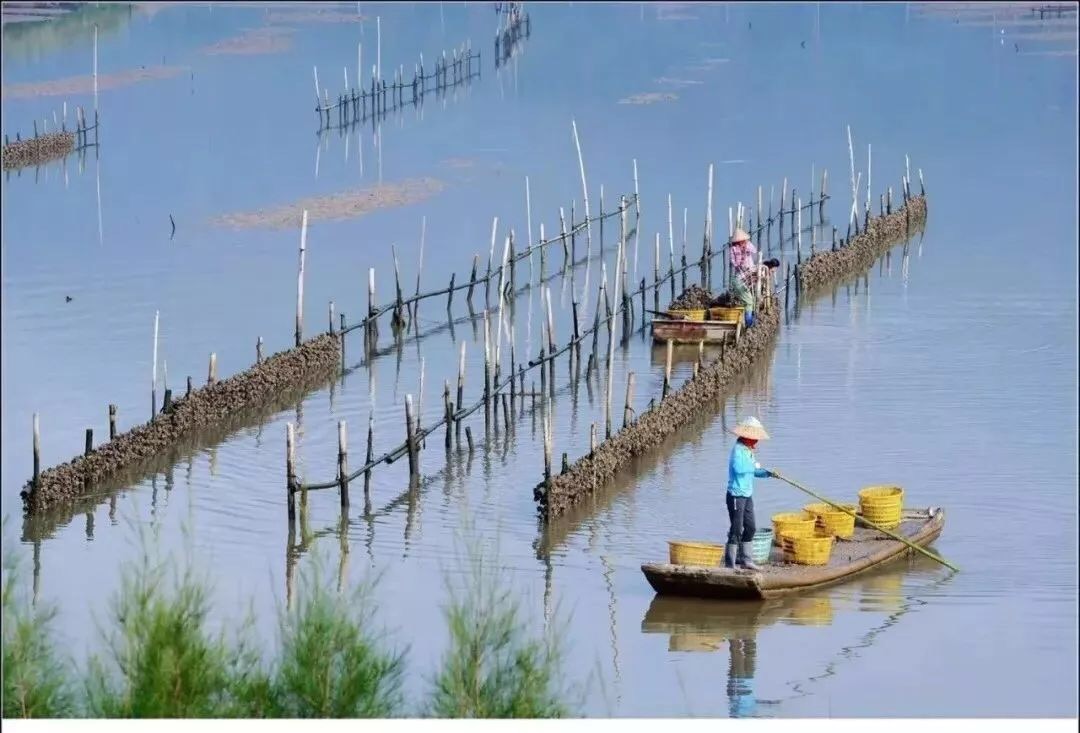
(704, 625)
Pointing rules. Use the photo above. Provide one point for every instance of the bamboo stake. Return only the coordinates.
(611, 327)
(528, 224)
(864, 520)
(153, 378)
(628, 403)
(300, 281)
(419, 267)
(37, 451)
(343, 464)
(584, 188)
(851, 158)
(112, 421)
(290, 474)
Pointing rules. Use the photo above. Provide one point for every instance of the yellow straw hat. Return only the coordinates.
(751, 429)
(739, 235)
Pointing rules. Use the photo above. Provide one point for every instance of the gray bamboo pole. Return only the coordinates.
(300, 281)
(290, 473)
(343, 464)
(628, 404)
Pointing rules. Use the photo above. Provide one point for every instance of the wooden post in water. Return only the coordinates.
(547, 449)
(667, 367)
(300, 281)
(331, 316)
(487, 370)
(89, 444)
(211, 377)
(188, 393)
(112, 421)
(628, 403)
(410, 439)
(370, 452)
(592, 439)
(671, 246)
(290, 475)
(153, 370)
(343, 464)
(461, 385)
(448, 413)
(259, 350)
(613, 322)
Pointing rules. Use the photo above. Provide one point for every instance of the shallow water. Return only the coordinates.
(950, 369)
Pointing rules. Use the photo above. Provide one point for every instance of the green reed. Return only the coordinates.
(163, 659)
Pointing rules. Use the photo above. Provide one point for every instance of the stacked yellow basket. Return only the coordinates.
(833, 521)
(813, 550)
(693, 314)
(882, 505)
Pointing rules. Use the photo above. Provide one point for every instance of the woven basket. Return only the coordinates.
(695, 553)
(882, 505)
(696, 314)
(761, 547)
(731, 315)
(833, 521)
(792, 524)
(809, 550)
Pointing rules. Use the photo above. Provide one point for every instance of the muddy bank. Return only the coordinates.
(202, 410)
(334, 206)
(252, 42)
(861, 251)
(38, 150)
(590, 472)
(85, 84)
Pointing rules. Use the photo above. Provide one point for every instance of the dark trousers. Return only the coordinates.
(740, 511)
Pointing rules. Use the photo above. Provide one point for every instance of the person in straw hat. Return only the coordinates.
(743, 269)
(743, 468)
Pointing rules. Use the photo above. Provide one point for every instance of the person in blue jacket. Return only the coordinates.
(743, 468)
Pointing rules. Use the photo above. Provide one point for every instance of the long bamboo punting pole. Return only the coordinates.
(584, 189)
(866, 521)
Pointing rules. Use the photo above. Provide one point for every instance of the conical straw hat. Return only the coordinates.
(751, 429)
(740, 235)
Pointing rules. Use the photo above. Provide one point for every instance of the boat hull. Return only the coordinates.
(776, 581)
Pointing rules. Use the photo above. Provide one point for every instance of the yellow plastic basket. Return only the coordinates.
(726, 314)
(833, 521)
(792, 524)
(809, 550)
(695, 553)
(882, 505)
(695, 314)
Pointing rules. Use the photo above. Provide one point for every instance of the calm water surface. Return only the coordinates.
(950, 369)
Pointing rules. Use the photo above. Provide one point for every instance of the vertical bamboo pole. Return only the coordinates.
(410, 439)
(419, 267)
(300, 281)
(290, 473)
(211, 377)
(584, 188)
(667, 367)
(112, 421)
(343, 464)
(461, 384)
(37, 451)
(671, 245)
(628, 403)
(707, 244)
(528, 224)
(612, 325)
(378, 47)
(153, 377)
(685, 212)
(95, 73)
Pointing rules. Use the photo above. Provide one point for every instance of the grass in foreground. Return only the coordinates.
(163, 660)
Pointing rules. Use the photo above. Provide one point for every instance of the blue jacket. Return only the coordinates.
(742, 469)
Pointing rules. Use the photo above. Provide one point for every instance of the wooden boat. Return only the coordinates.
(682, 331)
(867, 548)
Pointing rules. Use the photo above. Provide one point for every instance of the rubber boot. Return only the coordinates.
(746, 558)
(730, 556)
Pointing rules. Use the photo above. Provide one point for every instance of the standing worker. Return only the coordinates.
(743, 468)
